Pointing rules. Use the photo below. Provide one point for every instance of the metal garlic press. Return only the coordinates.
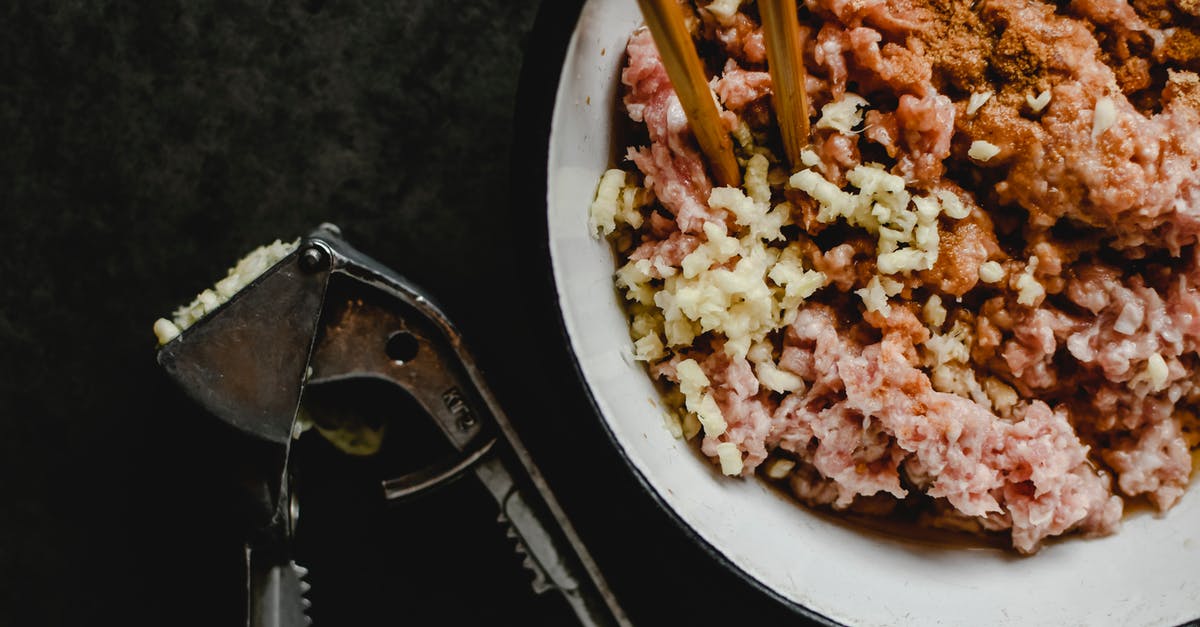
(327, 313)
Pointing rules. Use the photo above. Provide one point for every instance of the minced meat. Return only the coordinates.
(978, 295)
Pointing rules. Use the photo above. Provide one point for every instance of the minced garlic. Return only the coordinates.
(730, 458)
(777, 380)
(934, 313)
(615, 202)
(723, 10)
(1029, 291)
(977, 101)
(843, 115)
(698, 400)
(990, 272)
(905, 225)
(1038, 103)
(165, 330)
(1103, 117)
(1003, 396)
(981, 150)
(874, 298)
(603, 210)
(779, 467)
(648, 348)
(1155, 373)
(732, 284)
(239, 276)
(890, 286)
(948, 357)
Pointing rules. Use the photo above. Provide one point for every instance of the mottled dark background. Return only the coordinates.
(144, 146)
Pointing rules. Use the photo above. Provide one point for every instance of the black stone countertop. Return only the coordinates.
(146, 145)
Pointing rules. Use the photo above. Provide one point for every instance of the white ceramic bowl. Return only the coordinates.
(1148, 574)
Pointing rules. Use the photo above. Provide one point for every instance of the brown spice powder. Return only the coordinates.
(957, 45)
(1183, 47)
(1020, 58)
(1191, 7)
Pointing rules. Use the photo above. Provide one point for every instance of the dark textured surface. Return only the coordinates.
(146, 145)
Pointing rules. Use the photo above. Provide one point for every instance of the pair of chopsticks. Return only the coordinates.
(781, 30)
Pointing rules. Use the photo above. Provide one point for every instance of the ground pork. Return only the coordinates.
(671, 164)
(1039, 370)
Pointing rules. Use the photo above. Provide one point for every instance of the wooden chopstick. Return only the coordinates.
(678, 51)
(785, 62)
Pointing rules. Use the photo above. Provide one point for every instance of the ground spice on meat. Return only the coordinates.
(1183, 47)
(978, 298)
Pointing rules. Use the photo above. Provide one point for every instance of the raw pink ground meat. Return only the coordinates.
(737, 87)
(671, 165)
(1112, 220)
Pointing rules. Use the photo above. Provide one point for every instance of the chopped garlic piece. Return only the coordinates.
(951, 346)
(693, 383)
(898, 260)
(834, 202)
(1028, 288)
(777, 380)
(843, 115)
(165, 330)
(874, 297)
(756, 183)
(1003, 396)
(1103, 117)
(982, 151)
(891, 286)
(631, 198)
(648, 348)
(990, 272)
(959, 379)
(779, 468)
(603, 210)
(760, 351)
(934, 312)
(634, 277)
(692, 379)
(709, 414)
(644, 322)
(731, 458)
(1156, 373)
(809, 158)
(724, 10)
(977, 101)
(952, 205)
(719, 248)
(1039, 103)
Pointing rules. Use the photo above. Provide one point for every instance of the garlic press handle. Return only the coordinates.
(376, 324)
(366, 333)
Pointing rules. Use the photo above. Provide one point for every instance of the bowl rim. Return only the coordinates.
(554, 31)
